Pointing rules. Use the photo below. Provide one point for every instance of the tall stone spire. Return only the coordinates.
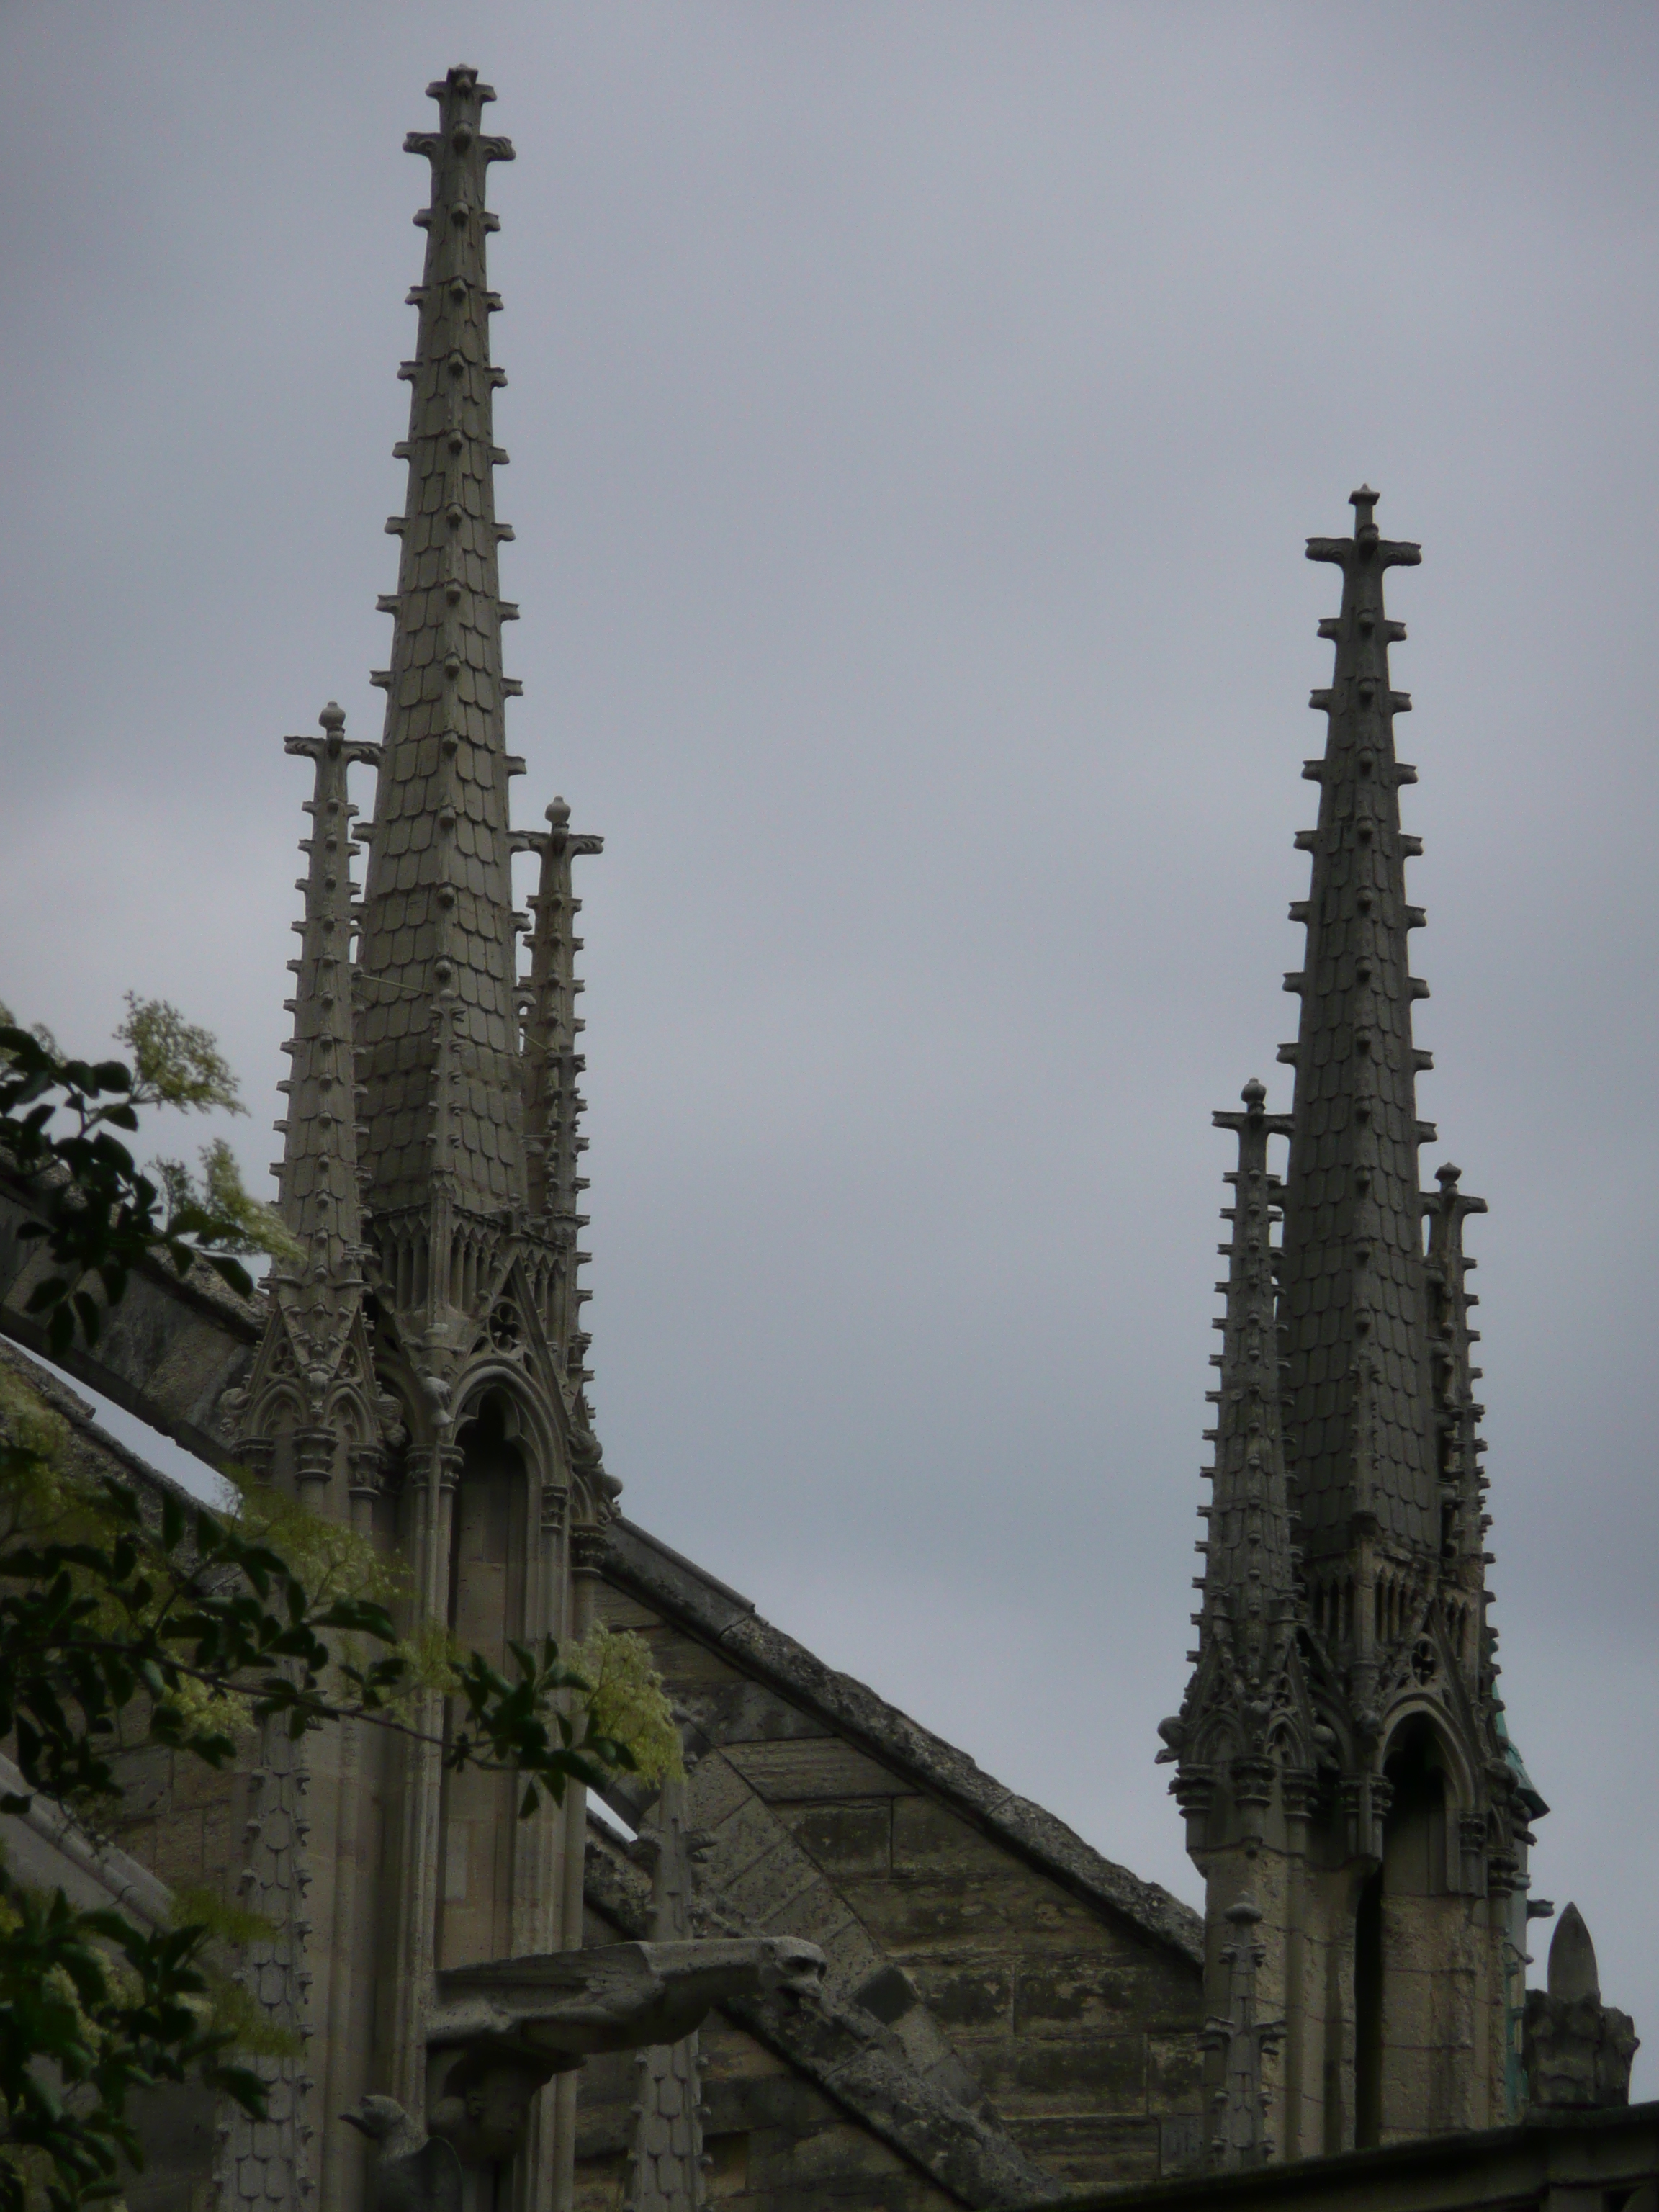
(1342, 1763)
(421, 1375)
(1352, 1269)
(438, 1036)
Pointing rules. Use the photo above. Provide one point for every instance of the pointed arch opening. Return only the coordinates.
(1405, 1947)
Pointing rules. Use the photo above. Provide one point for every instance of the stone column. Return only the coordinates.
(586, 1550)
(422, 1776)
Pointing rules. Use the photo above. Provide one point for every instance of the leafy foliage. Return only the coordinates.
(101, 1214)
(177, 1625)
(92, 2009)
(627, 1700)
(174, 1063)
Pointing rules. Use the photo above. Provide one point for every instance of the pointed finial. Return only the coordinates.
(1447, 1177)
(1364, 503)
(1572, 1969)
(1254, 1094)
(332, 718)
(559, 814)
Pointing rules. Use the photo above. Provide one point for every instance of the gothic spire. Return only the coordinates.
(1248, 1553)
(552, 1065)
(320, 1201)
(1457, 1415)
(438, 950)
(315, 1342)
(1352, 1307)
(1247, 1669)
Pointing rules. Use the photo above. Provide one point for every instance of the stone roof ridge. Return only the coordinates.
(664, 1578)
(318, 1199)
(1359, 1436)
(437, 1038)
(553, 1065)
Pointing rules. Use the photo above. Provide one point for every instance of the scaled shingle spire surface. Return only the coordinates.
(437, 1034)
(1358, 1418)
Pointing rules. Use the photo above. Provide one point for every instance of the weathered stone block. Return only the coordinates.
(927, 1835)
(717, 1791)
(978, 1995)
(845, 1839)
(729, 2056)
(985, 1916)
(1105, 2153)
(780, 2160)
(782, 2103)
(1069, 1992)
(813, 1767)
(1175, 2073)
(771, 1887)
(1098, 2074)
(744, 1835)
(599, 2182)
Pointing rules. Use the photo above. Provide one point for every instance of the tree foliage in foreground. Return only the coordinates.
(188, 1627)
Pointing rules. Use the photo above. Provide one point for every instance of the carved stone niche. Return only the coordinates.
(1576, 2050)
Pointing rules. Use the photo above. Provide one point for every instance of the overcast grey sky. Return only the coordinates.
(916, 414)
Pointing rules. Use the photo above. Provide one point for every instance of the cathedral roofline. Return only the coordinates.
(636, 1561)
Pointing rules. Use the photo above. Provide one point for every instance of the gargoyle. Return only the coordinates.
(554, 2009)
(498, 2031)
(413, 2173)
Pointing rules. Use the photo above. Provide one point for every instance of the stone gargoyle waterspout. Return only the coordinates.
(496, 2031)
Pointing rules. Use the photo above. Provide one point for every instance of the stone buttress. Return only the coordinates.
(422, 1380)
(1350, 1775)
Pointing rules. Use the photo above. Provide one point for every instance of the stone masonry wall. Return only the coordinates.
(1053, 2016)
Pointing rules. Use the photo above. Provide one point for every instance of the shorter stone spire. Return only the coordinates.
(1247, 1676)
(312, 1387)
(1248, 1548)
(1458, 1413)
(320, 1199)
(551, 1064)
